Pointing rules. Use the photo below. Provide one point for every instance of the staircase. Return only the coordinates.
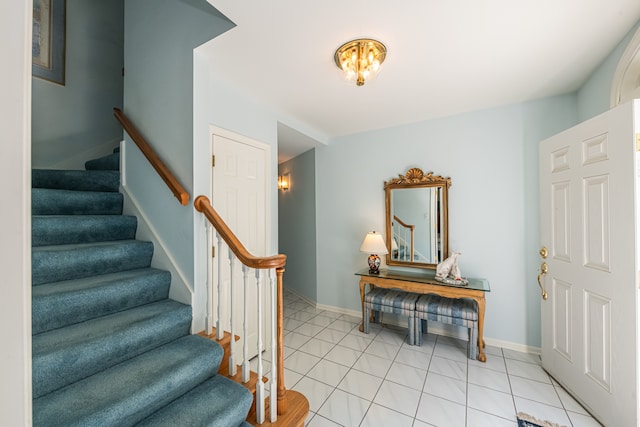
(109, 347)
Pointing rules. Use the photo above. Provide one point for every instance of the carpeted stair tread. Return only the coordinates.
(66, 262)
(63, 356)
(218, 401)
(59, 304)
(131, 391)
(108, 162)
(77, 180)
(68, 229)
(108, 346)
(46, 201)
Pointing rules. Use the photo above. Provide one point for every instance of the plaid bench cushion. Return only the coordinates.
(390, 301)
(460, 312)
(435, 306)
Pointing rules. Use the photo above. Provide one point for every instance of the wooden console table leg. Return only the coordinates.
(362, 285)
(481, 306)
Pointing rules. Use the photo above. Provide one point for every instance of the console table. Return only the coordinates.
(425, 283)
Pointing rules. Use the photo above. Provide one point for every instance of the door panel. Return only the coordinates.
(588, 220)
(561, 230)
(596, 212)
(597, 336)
(562, 314)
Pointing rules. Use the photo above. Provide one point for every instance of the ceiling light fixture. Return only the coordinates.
(360, 59)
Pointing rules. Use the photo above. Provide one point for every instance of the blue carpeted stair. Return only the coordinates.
(109, 346)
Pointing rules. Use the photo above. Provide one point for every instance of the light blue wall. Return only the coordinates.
(297, 224)
(78, 116)
(594, 97)
(491, 157)
(159, 87)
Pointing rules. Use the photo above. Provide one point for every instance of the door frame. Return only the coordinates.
(624, 85)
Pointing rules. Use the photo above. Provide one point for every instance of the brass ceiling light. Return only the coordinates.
(360, 59)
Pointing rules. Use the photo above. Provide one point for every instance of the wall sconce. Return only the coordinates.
(284, 181)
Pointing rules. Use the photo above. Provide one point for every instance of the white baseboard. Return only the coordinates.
(434, 327)
(512, 346)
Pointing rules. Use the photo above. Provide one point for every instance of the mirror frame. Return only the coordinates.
(416, 178)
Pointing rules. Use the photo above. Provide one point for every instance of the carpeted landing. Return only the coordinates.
(109, 346)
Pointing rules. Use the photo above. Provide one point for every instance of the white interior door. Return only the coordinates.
(588, 224)
(240, 178)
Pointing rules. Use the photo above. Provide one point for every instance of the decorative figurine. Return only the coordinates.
(448, 271)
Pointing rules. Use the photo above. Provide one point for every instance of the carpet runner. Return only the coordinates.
(109, 346)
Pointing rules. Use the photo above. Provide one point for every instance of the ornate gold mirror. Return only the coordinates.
(417, 219)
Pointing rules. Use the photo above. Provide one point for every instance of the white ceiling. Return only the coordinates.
(444, 57)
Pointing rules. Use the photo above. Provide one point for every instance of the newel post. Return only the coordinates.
(282, 406)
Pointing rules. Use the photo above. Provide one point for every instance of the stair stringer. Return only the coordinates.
(180, 289)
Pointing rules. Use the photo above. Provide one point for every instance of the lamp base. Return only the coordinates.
(374, 264)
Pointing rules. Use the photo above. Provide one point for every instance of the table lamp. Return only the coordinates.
(373, 244)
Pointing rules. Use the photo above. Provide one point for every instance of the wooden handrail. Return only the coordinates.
(412, 228)
(403, 223)
(176, 188)
(202, 204)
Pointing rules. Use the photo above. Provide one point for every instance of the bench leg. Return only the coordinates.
(365, 321)
(418, 331)
(473, 342)
(411, 325)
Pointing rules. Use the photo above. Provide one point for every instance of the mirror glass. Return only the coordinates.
(417, 234)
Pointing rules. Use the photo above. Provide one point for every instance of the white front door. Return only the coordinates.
(240, 178)
(588, 225)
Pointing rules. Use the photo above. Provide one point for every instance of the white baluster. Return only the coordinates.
(406, 256)
(246, 368)
(219, 326)
(260, 385)
(273, 384)
(233, 368)
(209, 320)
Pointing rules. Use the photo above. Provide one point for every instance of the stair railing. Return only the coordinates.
(176, 188)
(411, 229)
(271, 267)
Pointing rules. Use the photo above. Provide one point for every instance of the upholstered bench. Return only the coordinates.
(461, 312)
(381, 300)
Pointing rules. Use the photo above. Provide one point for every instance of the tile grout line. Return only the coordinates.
(353, 344)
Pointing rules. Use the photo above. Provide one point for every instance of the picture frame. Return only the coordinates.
(48, 45)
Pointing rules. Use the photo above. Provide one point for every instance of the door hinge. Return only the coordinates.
(637, 141)
(213, 251)
(213, 161)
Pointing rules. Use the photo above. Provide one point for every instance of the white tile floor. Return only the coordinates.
(378, 379)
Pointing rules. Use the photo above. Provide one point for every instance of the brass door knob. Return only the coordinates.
(544, 253)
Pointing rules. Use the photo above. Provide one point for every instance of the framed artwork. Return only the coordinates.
(48, 47)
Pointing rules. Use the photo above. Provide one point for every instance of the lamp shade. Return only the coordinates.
(373, 244)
